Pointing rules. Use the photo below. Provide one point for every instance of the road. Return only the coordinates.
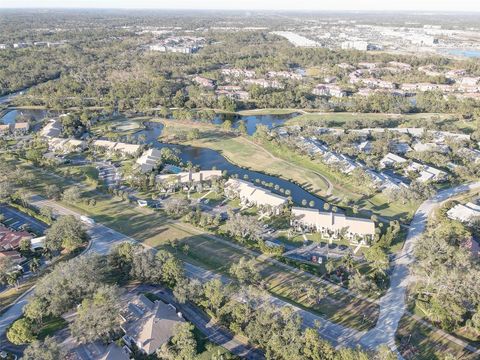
(393, 304)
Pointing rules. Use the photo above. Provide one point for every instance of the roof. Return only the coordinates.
(12, 254)
(122, 147)
(149, 159)
(22, 125)
(186, 176)
(391, 158)
(52, 129)
(114, 352)
(151, 324)
(10, 239)
(464, 213)
(255, 194)
(334, 221)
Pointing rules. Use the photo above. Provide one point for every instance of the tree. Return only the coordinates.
(6, 266)
(146, 267)
(20, 332)
(244, 271)
(53, 192)
(47, 212)
(49, 349)
(183, 345)
(242, 127)
(25, 245)
(98, 317)
(66, 233)
(227, 125)
(72, 194)
(215, 294)
(175, 206)
(34, 265)
(377, 258)
(244, 227)
(187, 290)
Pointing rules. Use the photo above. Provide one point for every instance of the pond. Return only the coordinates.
(251, 121)
(468, 53)
(207, 159)
(28, 115)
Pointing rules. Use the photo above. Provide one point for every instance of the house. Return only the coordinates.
(149, 160)
(469, 154)
(426, 172)
(431, 146)
(274, 84)
(333, 225)
(187, 177)
(391, 159)
(365, 147)
(111, 146)
(21, 128)
(464, 212)
(114, 352)
(10, 239)
(52, 129)
(207, 83)
(251, 195)
(150, 324)
(13, 255)
(329, 90)
(5, 129)
(66, 146)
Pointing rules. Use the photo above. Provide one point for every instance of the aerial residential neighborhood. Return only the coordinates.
(239, 180)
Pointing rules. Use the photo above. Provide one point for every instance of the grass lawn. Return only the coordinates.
(421, 342)
(50, 326)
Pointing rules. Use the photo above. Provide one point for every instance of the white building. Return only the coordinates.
(464, 213)
(112, 147)
(187, 177)
(333, 225)
(251, 195)
(149, 160)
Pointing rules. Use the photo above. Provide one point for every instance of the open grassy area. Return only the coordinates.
(50, 326)
(417, 341)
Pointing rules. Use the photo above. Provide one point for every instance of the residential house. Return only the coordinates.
(334, 225)
(112, 147)
(464, 213)
(13, 255)
(430, 146)
(472, 155)
(329, 90)
(52, 129)
(66, 146)
(21, 128)
(149, 324)
(149, 160)
(251, 195)
(427, 173)
(188, 177)
(391, 159)
(115, 352)
(5, 129)
(207, 83)
(10, 239)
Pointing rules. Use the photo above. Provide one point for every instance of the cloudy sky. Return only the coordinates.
(424, 5)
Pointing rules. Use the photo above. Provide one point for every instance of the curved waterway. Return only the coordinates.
(207, 159)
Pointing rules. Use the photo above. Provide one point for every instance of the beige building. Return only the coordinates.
(111, 146)
(332, 225)
(251, 195)
(190, 177)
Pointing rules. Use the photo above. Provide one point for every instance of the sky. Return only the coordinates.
(367, 5)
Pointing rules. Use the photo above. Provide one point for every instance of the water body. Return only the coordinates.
(30, 114)
(208, 159)
(473, 53)
(251, 121)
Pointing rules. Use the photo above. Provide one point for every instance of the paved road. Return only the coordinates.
(392, 304)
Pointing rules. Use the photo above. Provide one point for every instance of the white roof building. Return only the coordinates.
(250, 194)
(464, 213)
(52, 129)
(66, 145)
(392, 159)
(332, 224)
(470, 154)
(426, 172)
(149, 160)
(128, 149)
(188, 176)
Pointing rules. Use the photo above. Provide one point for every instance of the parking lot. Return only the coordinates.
(320, 250)
(16, 219)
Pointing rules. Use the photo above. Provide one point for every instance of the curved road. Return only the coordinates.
(393, 305)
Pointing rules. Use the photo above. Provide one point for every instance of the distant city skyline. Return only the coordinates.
(333, 5)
